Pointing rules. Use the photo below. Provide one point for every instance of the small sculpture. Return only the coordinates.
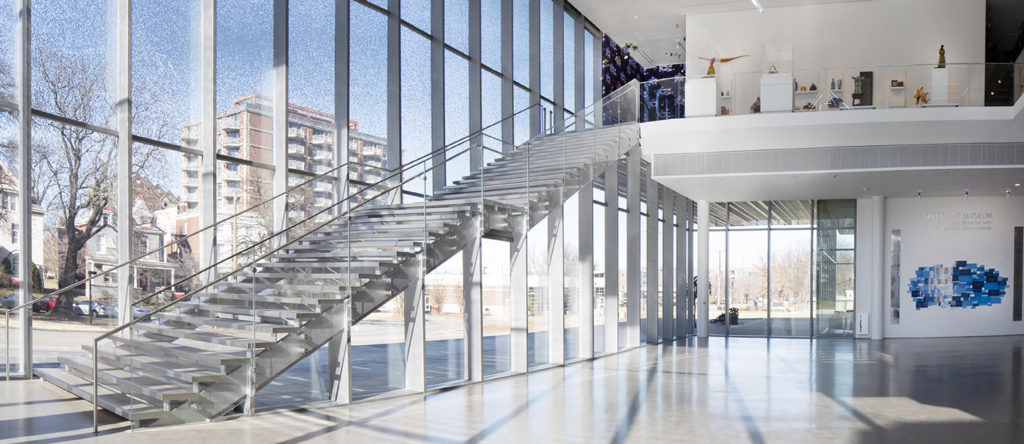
(795, 87)
(833, 83)
(725, 111)
(839, 84)
(711, 63)
(814, 87)
(942, 57)
(756, 107)
(809, 106)
(921, 96)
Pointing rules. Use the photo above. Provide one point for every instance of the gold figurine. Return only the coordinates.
(711, 63)
(942, 56)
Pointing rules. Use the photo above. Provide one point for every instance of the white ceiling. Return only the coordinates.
(845, 185)
(657, 26)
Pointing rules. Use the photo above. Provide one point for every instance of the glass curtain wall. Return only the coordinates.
(75, 58)
(777, 268)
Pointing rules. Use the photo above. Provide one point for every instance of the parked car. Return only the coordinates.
(98, 309)
(44, 305)
(9, 301)
(137, 312)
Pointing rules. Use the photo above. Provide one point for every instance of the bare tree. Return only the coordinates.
(76, 172)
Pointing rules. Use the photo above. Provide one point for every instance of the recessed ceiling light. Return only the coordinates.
(635, 17)
(1016, 184)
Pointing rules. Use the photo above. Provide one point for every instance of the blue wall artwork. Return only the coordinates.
(963, 285)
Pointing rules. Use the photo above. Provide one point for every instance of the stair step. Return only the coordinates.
(158, 366)
(208, 336)
(282, 313)
(276, 299)
(116, 403)
(179, 352)
(227, 323)
(131, 383)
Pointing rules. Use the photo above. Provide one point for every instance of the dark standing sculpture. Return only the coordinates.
(942, 56)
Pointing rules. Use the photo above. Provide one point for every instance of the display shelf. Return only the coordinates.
(897, 88)
(806, 92)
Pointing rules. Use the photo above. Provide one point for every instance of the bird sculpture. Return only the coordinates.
(921, 96)
(712, 60)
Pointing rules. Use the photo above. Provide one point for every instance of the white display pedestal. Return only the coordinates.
(940, 86)
(777, 92)
(701, 97)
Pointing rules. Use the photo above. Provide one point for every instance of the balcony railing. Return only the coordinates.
(323, 139)
(832, 89)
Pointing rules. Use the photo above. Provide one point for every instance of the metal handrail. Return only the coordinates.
(286, 243)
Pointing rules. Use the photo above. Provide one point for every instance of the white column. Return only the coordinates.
(580, 82)
(556, 282)
(507, 102)
(393, 156)
(653, 326)
(123, 110)
(684, 267)
(208, 139)
(437, 91)
(520, 288)
(340, 346)
(702, 268)
(633, 248)
(415, 357)
(877, 260)
(668, 283)
(534, 44)
(472, 280)
(280, 116)
(611, 259)
(24, 96)
(586, 264)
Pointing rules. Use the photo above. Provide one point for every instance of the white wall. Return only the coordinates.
(929, 240)
(877, 32)
(855, 35)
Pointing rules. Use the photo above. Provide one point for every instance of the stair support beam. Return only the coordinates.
(633, 248)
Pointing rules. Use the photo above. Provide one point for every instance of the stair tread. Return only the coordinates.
(133, 383)
(183, 371)
(227, 323)
(116, 403)
(213, 337)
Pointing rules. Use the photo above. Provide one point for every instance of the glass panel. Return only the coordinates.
(417, 13)
(623, 281)
(837, 213)
(497, 305)
(538, 309)
(790, 282)
(456, 115)
(521, 100)
(644, 275)
(240, 187)
(748, 282)
(521, 42)
(791, 213)
(748, 215)
(599, 274)
(165, 69)
(368, 87)
(547, 48)
(490, 33)
(73, 52)
(572, 273)
(416, 104)
(835, 271)
(491, 104)
(456, 24)
(588, 65)
(10, 229)
(716, 214)
(569, 67)
(716, 282)
(70, 165)
(445, 323)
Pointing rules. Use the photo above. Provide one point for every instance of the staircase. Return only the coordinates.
(194, 362)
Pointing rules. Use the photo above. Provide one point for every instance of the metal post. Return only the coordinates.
(95, 384)
(393, 156)
(24, 96)
(437, 118)
(611, 258)
(667, 270)
(280, 118)
(536, 113)
(558, 64)
(702, 268)
(652, 265)
(633, 248)
(476, 157)
(208, 138)
(507, 73)
(250, 399)
(586, 263)
(768, 277)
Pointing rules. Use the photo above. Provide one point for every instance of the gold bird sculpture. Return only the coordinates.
(712, 60)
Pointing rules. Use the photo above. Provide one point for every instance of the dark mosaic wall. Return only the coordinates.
(618, 68)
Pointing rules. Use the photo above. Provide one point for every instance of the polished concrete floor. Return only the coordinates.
(720, 390)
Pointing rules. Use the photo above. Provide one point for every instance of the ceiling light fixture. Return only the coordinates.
(757, 4)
